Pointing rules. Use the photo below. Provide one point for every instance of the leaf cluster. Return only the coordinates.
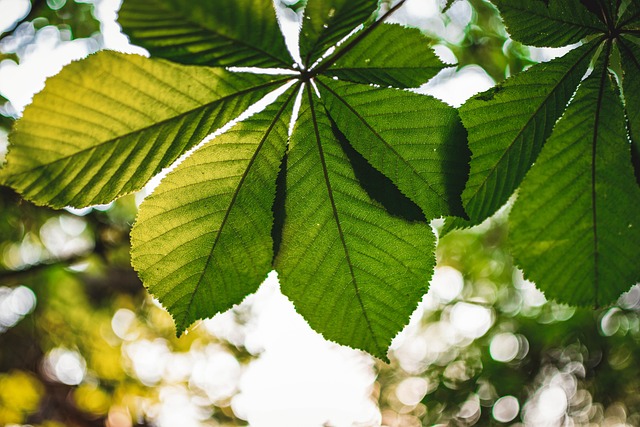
(330, 171)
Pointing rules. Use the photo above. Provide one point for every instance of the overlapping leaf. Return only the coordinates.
(576, 226)
(508, 126)
(554, 23)
(105, 125)
(415, 140)
(212, 32)
(368, 269)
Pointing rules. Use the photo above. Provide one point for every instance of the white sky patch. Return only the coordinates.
(455, 87)
(12, 11)
(301, 379)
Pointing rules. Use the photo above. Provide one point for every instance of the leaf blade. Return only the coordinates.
(95, 147)
(344, 240)
(391, 55)
(508, 125)
(214, 33)
(202, 241)
(415, 140)
(558, 23)
(577, 238)
(327, 22)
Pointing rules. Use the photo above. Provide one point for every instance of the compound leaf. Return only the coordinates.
(352, 270)
(212, 32)
(548, 24)
(508, 125)
(390, 55)
(326, 22)
(575, 226)
(128, 118)
(415, 140)
(202, 240)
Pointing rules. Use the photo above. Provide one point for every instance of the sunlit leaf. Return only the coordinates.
(415, 140)
(554, 23)
(212, 32)
(575, 227)
(508, 125)
(105, 125)
(326, 22)
(202, 241)
(352, 270)
(391, 55)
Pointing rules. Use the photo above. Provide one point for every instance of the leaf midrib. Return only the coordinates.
(336, 217)
(594, 143)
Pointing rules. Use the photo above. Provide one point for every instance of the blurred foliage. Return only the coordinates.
(487, 44)
(78, 331)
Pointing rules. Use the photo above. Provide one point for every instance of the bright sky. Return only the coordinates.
(300, 379)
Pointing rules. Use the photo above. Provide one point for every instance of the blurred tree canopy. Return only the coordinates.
(485, 348)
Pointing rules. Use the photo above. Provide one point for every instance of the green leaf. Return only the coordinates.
(107, 124)
(508, 125)
(630, 18)
(558, 23)
(326, 22)
(212, 32)
(391, 55)
(202, 240)
(630, 58)
(415, 140)
(575, 227)
(352, 270)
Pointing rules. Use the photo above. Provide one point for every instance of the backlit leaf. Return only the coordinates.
(508, 125)
(415, 140)
(554, 23)
(391, 55)
(127, 118)
(326, 22)
(212, 32)
(352, 270)
(202, 240)
(575, 227)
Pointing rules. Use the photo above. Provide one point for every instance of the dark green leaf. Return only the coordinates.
(630, 57)
(202, 241)
(508, 125)
(415, 140)
(558, 23)
(107, 124)
(212, 32)
(630, 18)
(326, 22)
(391, 55)
(352, 270)
(575, 227)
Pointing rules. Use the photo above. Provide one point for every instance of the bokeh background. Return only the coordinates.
(83, 344)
